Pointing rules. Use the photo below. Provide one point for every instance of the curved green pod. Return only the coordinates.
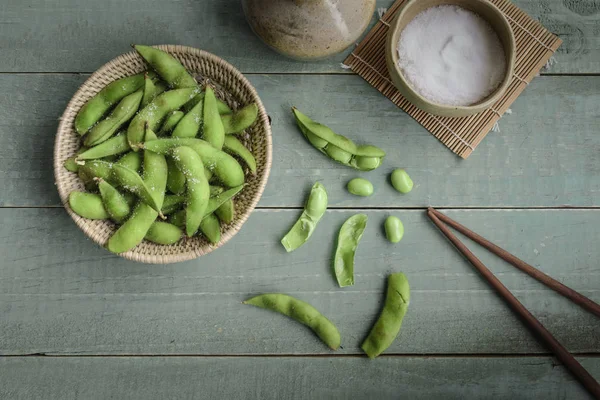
(191, 122)
(114, 202)
(87, 205)
(211, 228)
(113, 146)
(163, 233)
(167, 67)
(233, 146)
(315, 208)
(171, 122)
(343, 262)
(388, 325)
(155, 172)
(302, 312)
(226, 213)
(239, 120)
(213, 132)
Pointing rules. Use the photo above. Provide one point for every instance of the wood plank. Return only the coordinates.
(86, 34)
(545, 155)
(62, 294)
(285, 378)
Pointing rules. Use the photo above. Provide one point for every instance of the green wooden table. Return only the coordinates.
(78, 322)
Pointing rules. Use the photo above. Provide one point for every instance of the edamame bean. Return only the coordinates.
(172, 203)
(155, 171)
(155, 112)
(110, 147)
(242, 119)
(190, 123)
(226, 213)
(348, 239)
(171, 122)
(115, 203)
(338, 147)
(388, 325)
(211, 228)
(394, 230)
(360, 187)
(233, 146)
(213, 133)
(97, 106)
(87, 205)
(315, 208)
(401, 181)
(301, 312)
(198, 190)
(167, 66)
(163, 233)
(122, 113)
(225, 168)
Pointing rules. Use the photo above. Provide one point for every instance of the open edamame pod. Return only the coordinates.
(213, 133)
(315, 208)
(167, 66)
(237, 121)
(97, 106)
(211, 228)
(338, 147)
(232, 145)
(113, 146)
(388, 325)
(348, 239)
(114, 202)
(301, 312)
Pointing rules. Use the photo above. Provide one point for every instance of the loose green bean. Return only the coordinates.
(394, 230)
(348, 239)
(213, 133)
(114, 202)
(113, 146)
(315, 208)
(211, 228)
(388, 325)
(301, 312)
(221, 105)
(167, 66)
(87, 205)
(242, 119)
(401, 181)
(360, 187)
(233, 146)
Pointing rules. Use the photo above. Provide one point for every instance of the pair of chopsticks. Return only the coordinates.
(530, 321)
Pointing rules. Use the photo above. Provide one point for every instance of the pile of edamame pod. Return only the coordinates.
(159, 156)
(363, 158)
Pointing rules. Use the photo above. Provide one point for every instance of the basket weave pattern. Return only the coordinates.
(231, 86)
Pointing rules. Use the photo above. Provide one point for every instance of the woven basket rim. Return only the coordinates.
(65, 128)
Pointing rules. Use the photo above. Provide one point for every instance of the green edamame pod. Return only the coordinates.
(97, 106)
(171, 122)
(155, 171)
(114, 202)
(172, 203)
(154, 113)
(225, 168)
(87, 205)
(175, 178)
(131, 160)
(394, 230)
(149, 91)
(167, 66)
(338, 147)
(211, 228)
(177, 219)
(388, 325)
(222, 107)
(401, 181)
(122, 113)
(226, 213)
(315, 208)
(198, 190)
(301, 312)
(241, 119)
(216, 190)
(348, 239)
(110, 147)
(219, 199)
(163, 233)
(233, 146)
(70, 163)
(190, 123)
(360, 187)
(213, 133)
(133, 231)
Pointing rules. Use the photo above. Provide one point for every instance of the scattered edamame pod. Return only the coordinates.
(191, 122)
(155, 171)
(172, 203)
(301, 312)
(338, 147)
(114, 202)
(198, 190)
(348, 239)
(388, 325)
(87, 205)
(97, 106)
(211, 228)
(113, 146)
(122, 113)
(241, 119)
(171, 122)
(360, 187)
(394, 230)
(163, 233)
(401, 181)
(226, 213)
(233, 146)
(167, 66)
(315, 208)
(213, 133)
(155, 112)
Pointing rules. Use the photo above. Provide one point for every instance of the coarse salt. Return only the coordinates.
(451, 56)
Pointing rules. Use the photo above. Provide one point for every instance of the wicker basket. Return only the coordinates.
(231, 86)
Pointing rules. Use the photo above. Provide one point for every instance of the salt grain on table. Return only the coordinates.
(451, 56)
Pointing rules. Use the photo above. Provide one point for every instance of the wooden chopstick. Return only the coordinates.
(566, 291)
(530, 321)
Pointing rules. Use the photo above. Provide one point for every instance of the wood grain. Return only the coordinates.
(62, 294)
(545, 156)
(79, 36)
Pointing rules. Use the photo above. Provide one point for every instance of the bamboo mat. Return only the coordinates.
(535, 46)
